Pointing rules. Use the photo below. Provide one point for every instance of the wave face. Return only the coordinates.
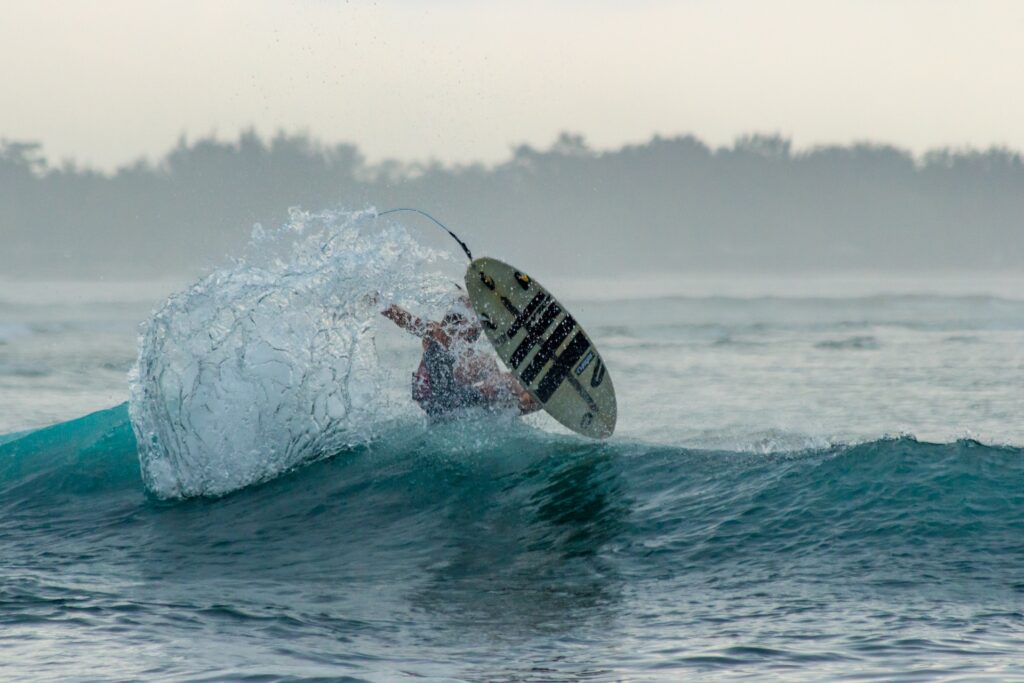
(483, 550)
(271, 362)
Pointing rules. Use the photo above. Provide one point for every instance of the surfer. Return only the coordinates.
(452, 375)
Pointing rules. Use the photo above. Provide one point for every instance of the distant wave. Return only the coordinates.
(855, 342)
(23, 370)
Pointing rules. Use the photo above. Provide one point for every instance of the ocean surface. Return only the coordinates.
(813, 478)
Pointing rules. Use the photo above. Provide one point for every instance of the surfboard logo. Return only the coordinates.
(584, 363)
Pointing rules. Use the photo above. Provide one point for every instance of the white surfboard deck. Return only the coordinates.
(543, 346)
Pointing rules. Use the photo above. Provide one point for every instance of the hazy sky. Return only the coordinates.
(105, 82)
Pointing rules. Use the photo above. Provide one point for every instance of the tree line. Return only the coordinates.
(670, 204)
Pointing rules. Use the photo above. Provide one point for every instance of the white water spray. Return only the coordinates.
(270, 363)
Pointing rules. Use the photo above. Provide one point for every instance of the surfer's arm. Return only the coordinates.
(482, 372)
(417, 326)
(507, 384)
(404, 319)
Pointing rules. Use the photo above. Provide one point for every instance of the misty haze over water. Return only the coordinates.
(672, 205)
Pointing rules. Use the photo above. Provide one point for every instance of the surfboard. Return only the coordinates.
(543, 346)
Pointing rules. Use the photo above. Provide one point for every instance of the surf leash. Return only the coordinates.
(441, 225)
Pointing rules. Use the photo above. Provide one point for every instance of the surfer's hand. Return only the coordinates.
(527, 403)
(393, 313)
(406, 320)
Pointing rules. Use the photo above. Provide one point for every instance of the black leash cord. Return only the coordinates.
(437, 222)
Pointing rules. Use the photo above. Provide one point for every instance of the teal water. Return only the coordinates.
(527, 556)
(812, 484)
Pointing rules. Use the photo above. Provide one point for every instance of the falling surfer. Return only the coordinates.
(453, 375)
(540, 342)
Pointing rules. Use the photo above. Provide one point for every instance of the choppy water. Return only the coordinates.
(803, 485)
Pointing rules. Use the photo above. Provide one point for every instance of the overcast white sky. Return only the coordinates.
(106, 82)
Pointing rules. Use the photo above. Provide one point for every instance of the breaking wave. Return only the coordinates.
(271, 362)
